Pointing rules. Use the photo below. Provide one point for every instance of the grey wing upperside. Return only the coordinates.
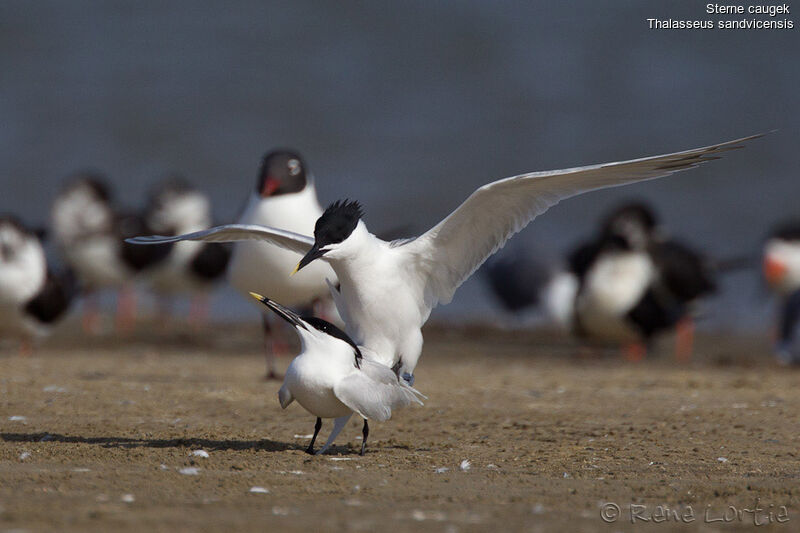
(289, 240)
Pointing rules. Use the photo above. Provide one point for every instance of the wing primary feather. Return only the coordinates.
(237, 232)
(447, 254)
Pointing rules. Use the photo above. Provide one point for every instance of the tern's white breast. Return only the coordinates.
(173, 275)
(612, 287)
(382, 309)
(559, 298)
(82, 225)
(97, 262)
(23, 274)
(312, 375)
(265, 268)
(189, 212)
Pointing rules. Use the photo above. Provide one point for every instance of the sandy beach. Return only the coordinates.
(177, 431)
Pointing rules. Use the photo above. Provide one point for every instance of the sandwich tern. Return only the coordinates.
(331, 379)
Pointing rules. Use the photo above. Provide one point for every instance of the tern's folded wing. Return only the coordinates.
(285, 396)
(238, 232)
(452, 250)
(375, 399)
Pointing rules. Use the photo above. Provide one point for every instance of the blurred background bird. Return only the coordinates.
(33, 294)
(624, 286)
(531, 285)
(89, 231)
(781, 270)
(189, 268)
(635, 282)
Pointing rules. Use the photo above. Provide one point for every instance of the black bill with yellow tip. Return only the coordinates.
(313, 253)
(287, 314)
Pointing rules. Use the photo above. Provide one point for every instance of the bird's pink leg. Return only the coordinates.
(164, 313)
(25, 348)
(684, 339)
(199, 310)
(271, 348)
(126, 309)
(634, 351)
(91, 316)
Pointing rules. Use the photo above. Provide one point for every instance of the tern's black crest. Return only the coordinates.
(337, 222)
(281, 172)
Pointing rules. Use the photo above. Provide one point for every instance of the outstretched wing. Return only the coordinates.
(374, 392)
(452, 250)
(238, 232)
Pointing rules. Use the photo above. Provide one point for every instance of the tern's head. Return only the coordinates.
(83, 189)
(175, 206)
(333, 230)
(282, 172)
(90, 183)
(311, 329)
(633, 225)
(82, 208)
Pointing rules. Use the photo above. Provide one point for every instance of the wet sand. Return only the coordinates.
(519, 432)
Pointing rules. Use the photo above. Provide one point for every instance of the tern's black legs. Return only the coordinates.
(317, 426)
(365, 433)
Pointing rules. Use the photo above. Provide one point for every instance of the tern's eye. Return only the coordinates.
(294, 167)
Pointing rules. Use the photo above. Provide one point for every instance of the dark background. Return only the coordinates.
(408, 107)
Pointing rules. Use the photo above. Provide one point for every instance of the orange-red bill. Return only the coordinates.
(270, 186)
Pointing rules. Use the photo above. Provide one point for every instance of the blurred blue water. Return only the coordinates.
(408, 107)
